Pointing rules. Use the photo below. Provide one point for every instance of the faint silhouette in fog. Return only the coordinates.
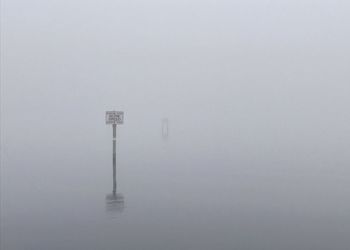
(165, 129)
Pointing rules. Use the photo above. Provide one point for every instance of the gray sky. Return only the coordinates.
(262, 75)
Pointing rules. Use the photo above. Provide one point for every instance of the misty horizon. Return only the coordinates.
(235, 133)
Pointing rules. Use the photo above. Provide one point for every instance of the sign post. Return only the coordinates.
(114, 118)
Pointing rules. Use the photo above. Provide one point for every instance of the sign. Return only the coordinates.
(114, 117)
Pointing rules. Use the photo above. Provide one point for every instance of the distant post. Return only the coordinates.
(114, 118)
(165, 128)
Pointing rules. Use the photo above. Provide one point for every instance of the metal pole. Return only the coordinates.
(114, 159)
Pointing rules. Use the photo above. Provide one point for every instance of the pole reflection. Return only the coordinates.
(115, 202)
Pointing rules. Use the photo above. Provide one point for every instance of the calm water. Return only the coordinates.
(172, 194)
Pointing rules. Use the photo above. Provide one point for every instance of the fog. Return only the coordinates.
(256, 95)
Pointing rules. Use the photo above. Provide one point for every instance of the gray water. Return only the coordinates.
(179, 192)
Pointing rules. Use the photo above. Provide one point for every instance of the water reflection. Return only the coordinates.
(115, 202)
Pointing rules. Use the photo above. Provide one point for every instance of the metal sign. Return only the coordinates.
(114, 117)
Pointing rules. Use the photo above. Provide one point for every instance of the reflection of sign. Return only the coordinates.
(114, 117)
